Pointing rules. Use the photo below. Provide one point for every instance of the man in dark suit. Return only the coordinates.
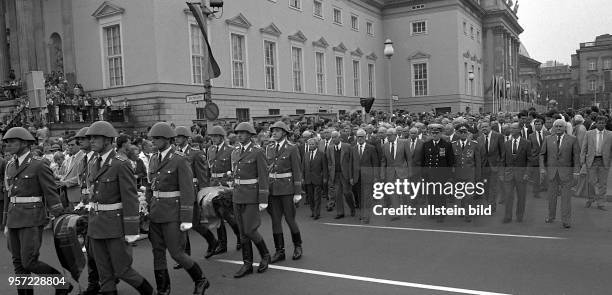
(525, 128)
(438, 160)
(560, 164)
(415, 145)
(339, 167)
(364, 169)
(315, 177)
(323, 146)
(515, 158)
(394, 164)
(536, 139)
(492, 144)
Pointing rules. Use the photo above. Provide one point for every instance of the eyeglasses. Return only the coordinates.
(462, 131)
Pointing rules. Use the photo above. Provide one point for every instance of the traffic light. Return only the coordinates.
(366, 103)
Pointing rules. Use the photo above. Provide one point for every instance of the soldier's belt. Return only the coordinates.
(26, 199)
(245, 181)
(159, 194)
(106, 207)
(217, 175)
(195, 180)
(280, 175)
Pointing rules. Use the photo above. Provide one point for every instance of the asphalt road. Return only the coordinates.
(408, 256)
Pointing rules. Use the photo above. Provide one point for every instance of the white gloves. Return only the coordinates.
(131, 238)
(79, 206)
(263, 206)
(296, 198)
(186, 226)
(6, 231)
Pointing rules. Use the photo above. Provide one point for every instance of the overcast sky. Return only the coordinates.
(554, 29)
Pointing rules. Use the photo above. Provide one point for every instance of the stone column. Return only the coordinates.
(4, 54)
(14, 49)
(39, 36)
(68, 42)
(25, 30)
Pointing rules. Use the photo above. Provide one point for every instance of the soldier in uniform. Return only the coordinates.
(468, 163)
(172, 199)
(250, 196)
(30, 193)
(285, 189)
(113, 218)
(220, 162)
(199, 167)
(438, 160)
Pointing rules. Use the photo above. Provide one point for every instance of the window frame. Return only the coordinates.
(340, 77)
(372, 80)
(323, 73)
(245, 61)
(356, 17)
(274, 65)
(193, 24)
(334, 9)
(293, 70)
(298, 7)
(424, 32)
(104, 23)
(369, 28)
(414, 81)
(322, 9)
(357, 78)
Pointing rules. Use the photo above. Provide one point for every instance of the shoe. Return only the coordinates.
(279, 245)
(507, 220)
(602, 208)
(246, 269)
(145, 288)
(297, 242)
(549, 220)
(352, 212)
(265, 256)
(566, 225)
(588, 204)
(238, 246)
(339, 216)
(211, 249)
(200, 281)
(162, 281)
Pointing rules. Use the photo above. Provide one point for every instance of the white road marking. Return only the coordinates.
(447, 231)
(372, 280)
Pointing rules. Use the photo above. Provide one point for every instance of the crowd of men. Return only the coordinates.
(249, 170)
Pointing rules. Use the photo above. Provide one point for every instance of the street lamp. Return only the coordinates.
(471, 76)
(388, 52)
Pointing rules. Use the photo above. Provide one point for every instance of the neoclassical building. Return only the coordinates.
(276, 56)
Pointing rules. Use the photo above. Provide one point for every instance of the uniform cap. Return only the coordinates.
(102, 128)
(162, 129)
(19, 133)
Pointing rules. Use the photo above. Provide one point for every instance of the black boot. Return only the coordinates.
(201, 283)
(145, 288)
(63, 291)
(297, 244)
(212, 242)
(93, 279)
(187, 250)
(162, 280)
(236, 231)
(247, 258)
(265, 256)
(279, 245)
(222, 240)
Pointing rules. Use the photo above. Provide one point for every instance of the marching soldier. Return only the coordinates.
(250, 196)
(30, 193)
(171, 209)
(220, 162)
(113, 218)
(438, 160)
(285, 189)
(468, 163)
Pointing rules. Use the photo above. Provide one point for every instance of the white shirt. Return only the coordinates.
(282, 142)
(184, 149)
(539, 135)
(515, 142)
(164, 153)
(488, 138)
(245, 147)
(105, 156)
(393, 148)
(361, 148)
(463, 143)
(339, 146)
(22, 158)
(598, 142)
(560, 140)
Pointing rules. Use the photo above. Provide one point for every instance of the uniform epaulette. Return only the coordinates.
(453, 142)
(474, 141)
(256, 146)
(179, 153)
(290, 143)
(37, 158)
(118, 157)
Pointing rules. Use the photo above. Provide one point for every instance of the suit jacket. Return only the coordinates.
(493, 157)
(515, 165)
(564, 160)
(366, 164)
(396, 166)
(377, 144)
(416, 160)
(468, 161)
(286, 160)
(71, 178)
(315, 170)
(344, 161)
(250, 164)
(114, 182)
(534, 158)
(529, 130)
(587, 152)
(580, 132)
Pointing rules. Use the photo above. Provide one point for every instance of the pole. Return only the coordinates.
(390, 89)
(207, 85)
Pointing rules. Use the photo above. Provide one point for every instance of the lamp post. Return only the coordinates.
(388, 52)
(508, 99)
(471, 76)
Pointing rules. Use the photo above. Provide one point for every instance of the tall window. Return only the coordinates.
(356, 78)
(419, 27)
(270, 64)
(478, 83)
(592, 85)
(465, 28)
(472, 32)
(592, 65)
(420, 79)
(354, 22)
(295, 4)
(318, 8)
(339, 75)
(371, 80)
(197, 55)
(472, 81)
(369, 29)
(273, 112)
(243, 115)
(608, 64)
(114, 55)
(296, 58)
(320, 69)
(337, 16)
(238, 60)
(465, 78)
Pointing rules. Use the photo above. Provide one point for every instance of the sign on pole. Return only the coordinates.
(195, 97)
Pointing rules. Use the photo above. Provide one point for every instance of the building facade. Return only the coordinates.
(557, 84)
(591, 63)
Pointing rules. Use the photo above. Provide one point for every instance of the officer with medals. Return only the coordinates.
(285, 177)
(172, 198)
(31, 191)
(113, 217)
(250, 196)
(219, 159)
(438, 160)
(468, 163)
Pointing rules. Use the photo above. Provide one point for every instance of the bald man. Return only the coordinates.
(364, 167)
(339, 167)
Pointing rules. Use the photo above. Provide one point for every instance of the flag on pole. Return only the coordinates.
(210, 63)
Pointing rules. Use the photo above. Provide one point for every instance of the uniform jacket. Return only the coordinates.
(71, 178)
(492, 158)
(286, 160)
(515, 166)
(250, 164)
(170, 174)
(220, 162)
(396, 166)
(438, 160)
(587, 152)
(344, 161)
(113, 182)
(366, 164)
(33, 178)
(564, 161)
(85, 175)
(199, 166)
(468, 160)
(315, 170)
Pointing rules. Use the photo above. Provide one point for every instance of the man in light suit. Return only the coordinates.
(365, 165)
(537, 139)
(492, 144)
(339, 168)
(560, 164)
(70, 180)
(515, 157)
(315, 175)
(595, 160)
(394, 164)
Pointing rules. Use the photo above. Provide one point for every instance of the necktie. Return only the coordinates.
(462, 145)
(326, 144)
(312, 154)
(598, 143)
(277, 147)
(514, 146)
(539, 137)
(487, 143)
(16, 163)
(360, 150)
(558, 142)
(393, 149)
(99, 162)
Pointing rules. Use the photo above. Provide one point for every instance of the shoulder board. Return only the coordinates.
(37, 158)
(256, 146)
(120, 158)
(473, 141)
(454, 141)
(179, 153)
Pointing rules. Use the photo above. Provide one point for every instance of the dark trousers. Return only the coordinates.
(342, 193)
(278, 207)
(491, 187)
(204, 232)
(519, 187)
(93, 278)
(248, 219)
(168, 236)
(356, 189)
(114, 260)
(557, 187)
(226, 213)
(314, 194)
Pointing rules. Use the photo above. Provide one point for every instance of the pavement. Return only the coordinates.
(406, 256)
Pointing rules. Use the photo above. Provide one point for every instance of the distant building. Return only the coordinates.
(556, 84)
(590, 64)
(529, 76)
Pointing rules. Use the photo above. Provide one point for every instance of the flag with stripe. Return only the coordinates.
(210, 63)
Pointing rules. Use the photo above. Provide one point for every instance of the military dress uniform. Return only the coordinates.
(438, 160)
(113, 215)
(285, 176)
(468, 167)
(31, 191)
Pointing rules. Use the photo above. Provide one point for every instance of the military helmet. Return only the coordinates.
(19, 133)
(162, 129)
(281, 125)
(217, 130)
(245, 126)
(81, 133)
(102, 128)
(183, 131)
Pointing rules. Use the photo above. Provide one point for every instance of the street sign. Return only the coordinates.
(195, 97)
(211, 111)
(395, 97)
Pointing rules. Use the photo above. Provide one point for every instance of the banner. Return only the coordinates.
(213, 70)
